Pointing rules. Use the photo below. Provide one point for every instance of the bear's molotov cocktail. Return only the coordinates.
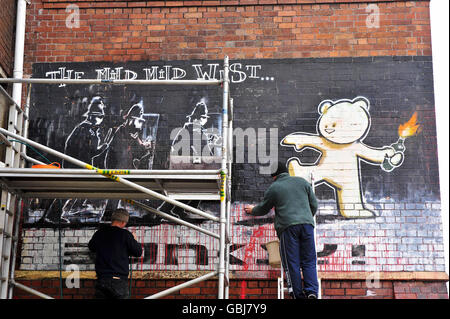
(405, 130)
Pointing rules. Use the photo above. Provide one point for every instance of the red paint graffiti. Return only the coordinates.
(248, 254)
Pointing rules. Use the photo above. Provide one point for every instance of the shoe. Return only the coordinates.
(312, 296)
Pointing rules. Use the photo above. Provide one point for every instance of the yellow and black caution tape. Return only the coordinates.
(223, 176)
(110, 173)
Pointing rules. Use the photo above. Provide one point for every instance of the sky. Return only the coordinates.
(439, 10)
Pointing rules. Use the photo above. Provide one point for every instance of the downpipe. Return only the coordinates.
(19, 50)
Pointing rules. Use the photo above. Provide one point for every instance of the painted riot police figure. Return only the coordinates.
(127, 148)
(85, 141)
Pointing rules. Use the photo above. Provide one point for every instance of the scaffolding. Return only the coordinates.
(170, 186)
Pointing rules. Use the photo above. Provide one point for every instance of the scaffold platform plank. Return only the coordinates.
(82, 183)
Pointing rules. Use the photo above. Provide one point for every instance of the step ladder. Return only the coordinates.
(10, 207)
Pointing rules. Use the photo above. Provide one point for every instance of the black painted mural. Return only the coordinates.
(277, 103)
(363, 128)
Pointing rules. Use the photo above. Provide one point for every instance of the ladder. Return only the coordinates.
(15, 156)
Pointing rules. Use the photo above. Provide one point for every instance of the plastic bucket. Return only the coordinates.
(273, 248)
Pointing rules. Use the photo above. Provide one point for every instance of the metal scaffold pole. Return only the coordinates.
(181, 286)
(113, 82)
(107, 174)
(19, 206)
(319, 281)
(223, 187)
(228, 208)
(10, 202)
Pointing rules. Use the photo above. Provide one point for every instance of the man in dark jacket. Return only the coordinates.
(113, 245)
(295, 206)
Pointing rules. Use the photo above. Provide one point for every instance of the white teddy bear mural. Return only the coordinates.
(341, 130)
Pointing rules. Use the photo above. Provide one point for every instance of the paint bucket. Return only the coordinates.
(273, 248)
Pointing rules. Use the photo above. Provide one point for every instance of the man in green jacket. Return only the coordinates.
(295, 206)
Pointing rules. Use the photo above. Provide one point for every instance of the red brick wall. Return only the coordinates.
(254, 289)
(420, 290)
(356, 289)
(118, 31)
(124, 31)
(7, 26)
(189, 3)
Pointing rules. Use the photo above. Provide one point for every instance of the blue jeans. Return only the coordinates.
(298, 251)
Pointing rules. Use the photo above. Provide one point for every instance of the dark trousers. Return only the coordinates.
(111, 288)
(298, 252)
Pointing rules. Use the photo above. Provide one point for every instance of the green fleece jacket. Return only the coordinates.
(293, 199)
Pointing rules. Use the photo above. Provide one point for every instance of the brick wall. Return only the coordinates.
(212, 31)
(254, 289)
(403, 233)
(354, 289)
(378, 245)
(7, 26)
(304, 52)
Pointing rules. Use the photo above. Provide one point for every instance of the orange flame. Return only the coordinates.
(409, 128)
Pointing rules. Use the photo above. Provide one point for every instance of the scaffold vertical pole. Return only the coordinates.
(319, 292)
(223, 188)
(16, 118)
(17, 217)
(9, 201)
(228, 215)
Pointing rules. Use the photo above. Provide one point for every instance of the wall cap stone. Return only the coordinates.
(62, 4)
(142, 275)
